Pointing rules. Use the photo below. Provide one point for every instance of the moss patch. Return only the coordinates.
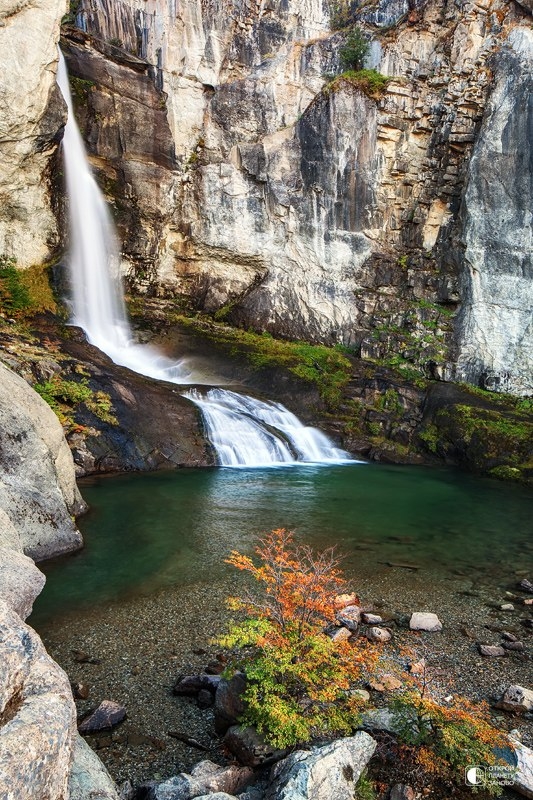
(489, 440)
(327, 368)
(64, 396)
(24, 292)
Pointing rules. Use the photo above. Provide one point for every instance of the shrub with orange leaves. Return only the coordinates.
(299, 682)
(440, 739)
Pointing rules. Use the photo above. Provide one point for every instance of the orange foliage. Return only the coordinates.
(300, 587)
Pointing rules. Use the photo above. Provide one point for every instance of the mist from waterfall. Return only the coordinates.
(243, 431)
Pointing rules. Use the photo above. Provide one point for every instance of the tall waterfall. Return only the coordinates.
(244, 431)
(94, 261)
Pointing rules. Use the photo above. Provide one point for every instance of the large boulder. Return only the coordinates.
(324, 772)
(38, 491)
(205, 778)
(31, 117)
(89, 779)
(37, 715)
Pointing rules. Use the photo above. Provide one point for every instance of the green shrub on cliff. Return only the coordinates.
(64, 396)
(24, 291)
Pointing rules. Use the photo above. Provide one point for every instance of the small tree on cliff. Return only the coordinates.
(354, 51)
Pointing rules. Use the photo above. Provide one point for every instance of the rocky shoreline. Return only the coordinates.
(137, 649)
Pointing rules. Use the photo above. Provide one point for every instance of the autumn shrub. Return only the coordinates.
(439, 739)
(299, 681)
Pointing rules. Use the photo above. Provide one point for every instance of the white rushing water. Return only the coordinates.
(243, 431)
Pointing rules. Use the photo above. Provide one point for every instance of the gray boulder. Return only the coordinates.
(206, 778)
(38, 490)
(517, 699)
(89, 779)
(322, 773)
(37, 715)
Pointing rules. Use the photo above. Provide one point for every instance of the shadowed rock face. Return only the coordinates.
(287, 203)
(497, 316)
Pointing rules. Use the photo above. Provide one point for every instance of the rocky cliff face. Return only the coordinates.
(246, 182)
(40, 752)
(31, 118)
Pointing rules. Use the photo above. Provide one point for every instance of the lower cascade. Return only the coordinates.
(244, 431)
(248, 432)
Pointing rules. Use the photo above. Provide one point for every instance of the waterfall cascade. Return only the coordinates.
(244, 431)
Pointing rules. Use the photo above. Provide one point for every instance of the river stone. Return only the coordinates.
(516, 699)
(526, 585)
(340, 635)
(402, 791)
(88, 776)
(322, 773)
(379, 635)
(372, 619)
(106, 716)
(193, 684)
(249, 747)
(425, 621)
(228, 702)
(491, 650)
(349, 617)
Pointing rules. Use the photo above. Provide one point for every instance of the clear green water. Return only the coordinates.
(153, 530)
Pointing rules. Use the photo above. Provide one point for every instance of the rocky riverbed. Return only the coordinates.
(133, 651)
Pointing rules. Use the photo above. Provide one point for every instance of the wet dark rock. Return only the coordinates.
(84, 658)
(214, 668)
(205, 698)
(80, 691)
(189, 685)
(526, 585)
(250, 748)
(516, 646)
(229, 705)
(107, 715)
